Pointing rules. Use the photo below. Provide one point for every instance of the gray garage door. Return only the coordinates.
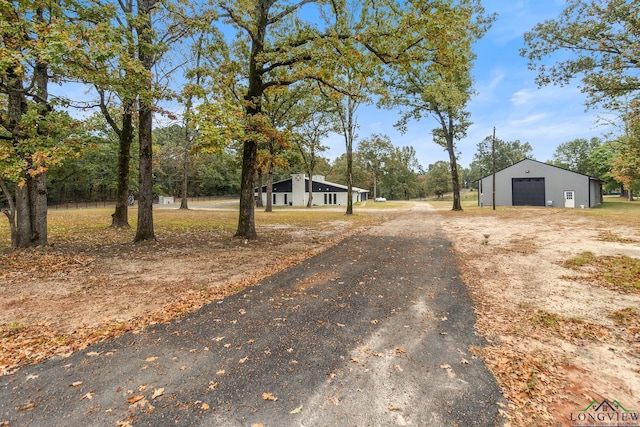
(528, 191)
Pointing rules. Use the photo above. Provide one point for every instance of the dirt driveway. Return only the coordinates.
(377, 330)
(560, 337)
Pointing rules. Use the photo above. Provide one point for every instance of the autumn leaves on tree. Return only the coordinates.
(317, 54)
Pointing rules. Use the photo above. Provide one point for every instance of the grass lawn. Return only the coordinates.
(92, 224)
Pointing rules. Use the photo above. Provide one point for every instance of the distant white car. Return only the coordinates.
(380, 199)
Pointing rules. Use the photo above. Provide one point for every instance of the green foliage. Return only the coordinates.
(575, 155)
(438, 179)
(507, 153)
(598, 42)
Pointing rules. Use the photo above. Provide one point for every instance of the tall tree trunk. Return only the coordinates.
(351, 107)
(455, 177)
(120, 218)
(10, 212)
(259, 203)
(310, 190)
(269, 207)
(246, 218)
(185, 163)
(312, 166)
(144, 229)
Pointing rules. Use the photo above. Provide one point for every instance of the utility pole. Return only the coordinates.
(493, 154)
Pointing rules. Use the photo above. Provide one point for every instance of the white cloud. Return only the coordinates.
(522, 97)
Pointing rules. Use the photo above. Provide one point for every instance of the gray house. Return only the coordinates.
(533, 183)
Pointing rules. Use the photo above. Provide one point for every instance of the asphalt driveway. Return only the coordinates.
(375, 331)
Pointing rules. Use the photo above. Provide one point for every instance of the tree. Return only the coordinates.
(374, 151)
(507, 153)
(122, 47)
(575, 155)
(443, 87)
(400, 179)
(601, 164)
(599, 43)
(284, 48)
(314, 126)
(281, 47)
(438, 178)
(33, 135)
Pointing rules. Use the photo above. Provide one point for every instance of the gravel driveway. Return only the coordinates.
(375, 331)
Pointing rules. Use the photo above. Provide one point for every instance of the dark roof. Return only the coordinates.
(542, 163)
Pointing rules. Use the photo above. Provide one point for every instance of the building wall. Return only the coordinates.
(556, 181)
(293, 192)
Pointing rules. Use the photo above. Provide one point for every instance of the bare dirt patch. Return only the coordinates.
(80, 290)
(559, 337)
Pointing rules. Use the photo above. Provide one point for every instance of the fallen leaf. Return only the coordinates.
(151, 359)
(242, 311)
(87, 396)
(123, 424)
(25, 407)
(134, 399)
(464, 361)
(157, 393)
(445, 366)
(212, 385)
(205, 406)
(93, 354)
(31, 377)
(257, 425)
(76, 384)
(241, 361)
(374, 322)
(220, 372)
(400, 350)
(297, 410)
(269, 396)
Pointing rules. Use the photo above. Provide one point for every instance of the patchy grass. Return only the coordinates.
(622, 272)
(608, 236)
(90, 227)
(580, 260)
(616, 210)
(627, 317)
(616, 272)
(570, 329)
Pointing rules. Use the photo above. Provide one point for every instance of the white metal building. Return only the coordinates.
(533, 183)
(295, 192)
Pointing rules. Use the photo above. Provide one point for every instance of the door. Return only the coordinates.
(527, 191)
(569, 199)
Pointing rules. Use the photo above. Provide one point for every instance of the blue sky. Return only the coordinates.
(507, 98)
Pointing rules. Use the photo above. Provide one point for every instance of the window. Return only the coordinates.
(325, 198)
(285, 199)
(274, 199)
